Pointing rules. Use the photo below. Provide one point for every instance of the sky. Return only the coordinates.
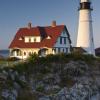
(15, 14)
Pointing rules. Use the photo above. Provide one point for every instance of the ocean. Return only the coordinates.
(4, 53)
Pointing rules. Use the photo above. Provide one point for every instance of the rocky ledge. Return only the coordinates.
(72, 80)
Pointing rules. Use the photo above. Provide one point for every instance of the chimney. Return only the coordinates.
(53, 24)
(29, 25)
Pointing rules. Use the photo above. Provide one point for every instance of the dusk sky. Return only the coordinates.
(15, 14)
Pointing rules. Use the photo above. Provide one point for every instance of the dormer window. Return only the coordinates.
(29, 39)
(21, 38)
(34, 39)
(48, 37)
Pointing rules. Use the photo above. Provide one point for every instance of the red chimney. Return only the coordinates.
(53, 24)
(29, 25)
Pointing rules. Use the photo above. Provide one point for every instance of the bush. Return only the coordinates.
(40, 88)
(21, 67)
(56, 58)
(33, 58)
(84, 57)
(60, 58)
(44, 64)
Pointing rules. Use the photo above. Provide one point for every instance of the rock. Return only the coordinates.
(16, 86)
(71, 81)
(80, 91)
(63, 94)
(44, 98)
(98, 81)
(4, 72)
(5, 93)
(9, 94)
(95, 97)
(75, 69)
(52, 88)
(3, 76)
(57, 79)
(22, 78)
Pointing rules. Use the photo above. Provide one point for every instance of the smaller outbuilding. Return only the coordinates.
(97, 51)
(78, 50)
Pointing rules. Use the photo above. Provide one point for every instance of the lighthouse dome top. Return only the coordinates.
(85, 0)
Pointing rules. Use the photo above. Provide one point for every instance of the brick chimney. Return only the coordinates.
(53, 24)
(29, 25)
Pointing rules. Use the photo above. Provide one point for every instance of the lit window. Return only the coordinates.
(29, 39)
(48, 37)
(34, 39)
(20, 38)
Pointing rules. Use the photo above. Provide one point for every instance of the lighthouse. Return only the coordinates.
(85, 30)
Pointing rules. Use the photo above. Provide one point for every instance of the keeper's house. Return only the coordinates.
(46, 40)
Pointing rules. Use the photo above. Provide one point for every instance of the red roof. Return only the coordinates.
(53, 32)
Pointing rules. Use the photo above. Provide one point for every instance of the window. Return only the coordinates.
(30, 53)
(34, 39)
(64, 40)
(54, 50)
(48, 37)
(20, 38)
(60, 40)
(58, 50)
(64, 32)
(24, 53)
(29, 39)
(63, 50)
(19, 53)
(66, 50)
(34, 53)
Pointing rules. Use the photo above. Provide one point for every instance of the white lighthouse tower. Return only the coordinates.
(85, 30)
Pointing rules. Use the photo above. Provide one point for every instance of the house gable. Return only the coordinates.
(63, 42)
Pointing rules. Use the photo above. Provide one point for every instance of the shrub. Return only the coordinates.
(21, 67)
(33, 58)
(60, 58)
(40, 88)
(84, 57)
(56, 58)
